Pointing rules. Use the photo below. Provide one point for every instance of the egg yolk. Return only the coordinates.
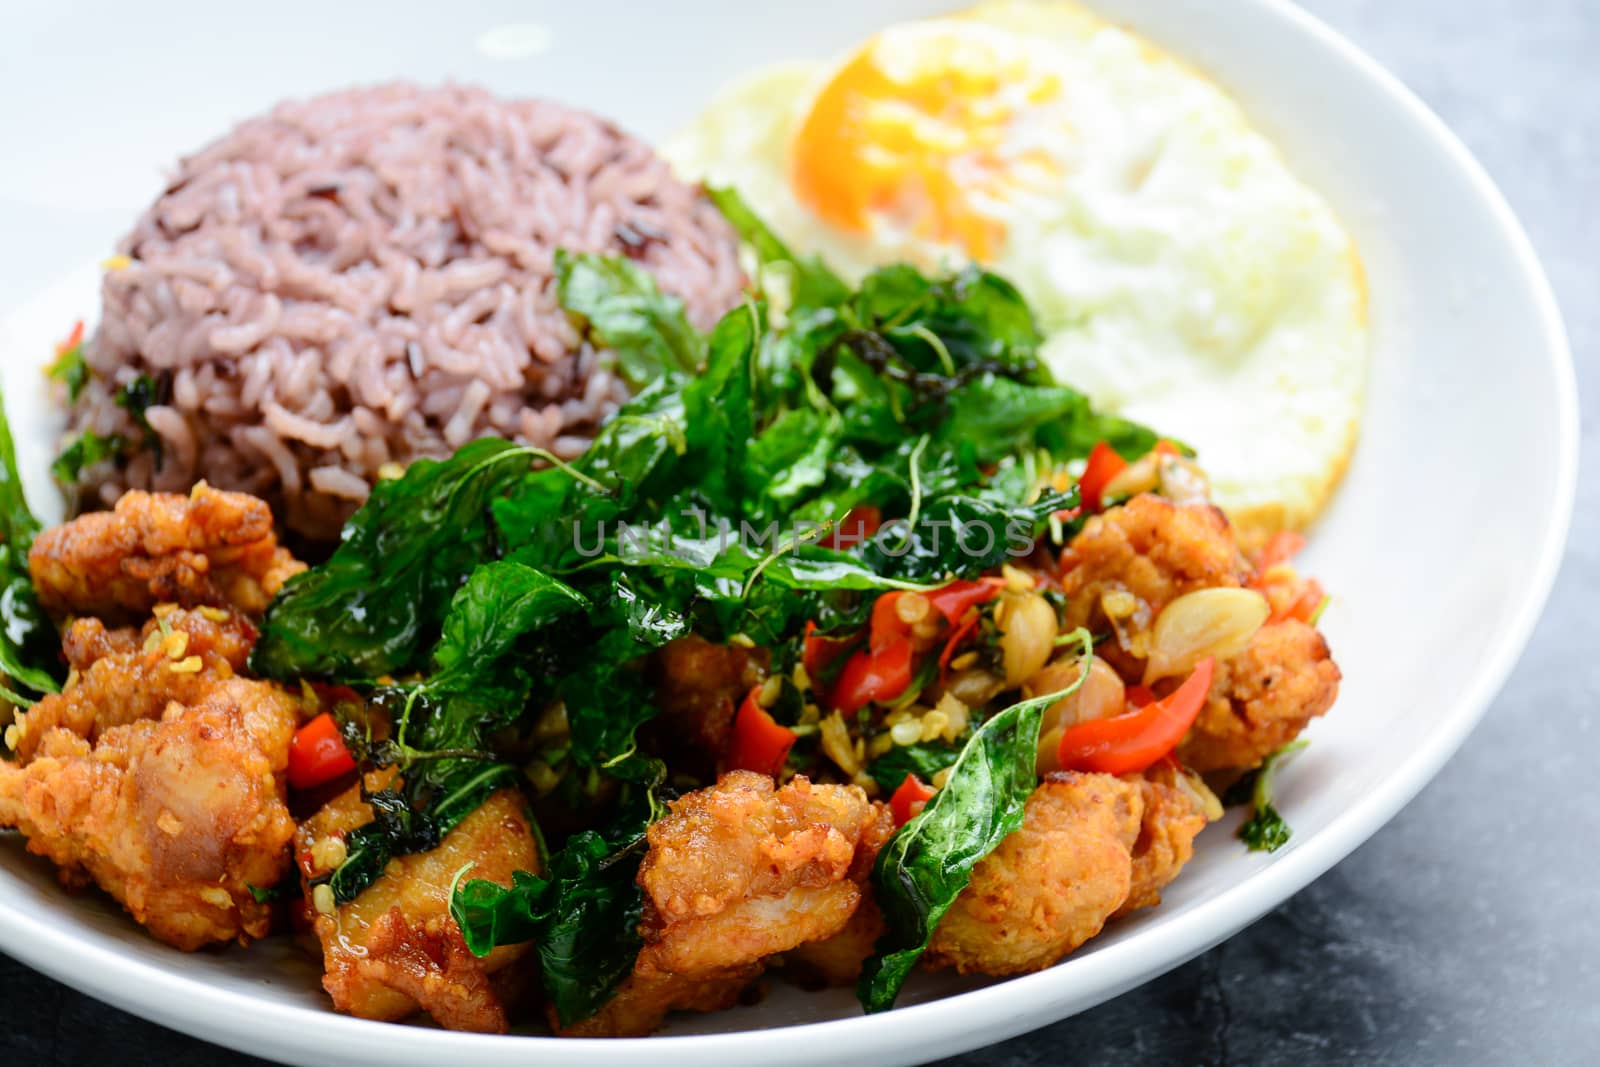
(927, 129)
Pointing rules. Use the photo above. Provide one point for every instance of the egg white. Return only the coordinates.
(1182, 275)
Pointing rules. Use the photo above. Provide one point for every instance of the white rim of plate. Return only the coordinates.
(990, 1013)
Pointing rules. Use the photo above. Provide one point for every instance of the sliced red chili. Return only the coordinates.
(964, 629)
(1135, 740)
(1104, 464)
(317, 753)
(74, 339)
(759, 743)
(1137, 696)
(909, 800)
(886, 627)
(873, 676)
(1304, 607)
(953, 600)
(819, 653)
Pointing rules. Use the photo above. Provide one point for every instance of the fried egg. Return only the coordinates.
(1182, 275)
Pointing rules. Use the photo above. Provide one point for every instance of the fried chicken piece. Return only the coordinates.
(1262, 698)
(698, 687)
(736, 873)
(742, 870)
(1154, 550)
(837, 960)
(123, 677)
(395, 949)
(643, 1000)
(176, 817)
(1051, 885)
(428, 962)
(1174, 811)
(208, 547)
(87, 640)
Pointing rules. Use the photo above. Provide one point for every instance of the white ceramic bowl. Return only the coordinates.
(1441, 546)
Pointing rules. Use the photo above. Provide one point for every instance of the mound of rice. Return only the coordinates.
(352, 281)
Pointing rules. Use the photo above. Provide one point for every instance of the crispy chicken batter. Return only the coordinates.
(1153, 549)
(1262, 698)
(837, 960)
(395, 949)
(123, 678)
(736, 873)
(176, 817)
(644, 999)
(1173, 812)
(1051, 885)
(429, 963)
(208, 547)
(87, 640)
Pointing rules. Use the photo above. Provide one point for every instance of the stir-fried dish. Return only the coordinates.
(853, 643)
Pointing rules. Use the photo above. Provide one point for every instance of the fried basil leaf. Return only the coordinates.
(628, 314)
(479, 684)
(717, 407)
(500, 603)
(605, 693)
(999, 416)
(811, 284)
(929, 860)
(414, 817)
(375, 606)
(136, 397)
(583, 914)
(960, 536)
(967, 320)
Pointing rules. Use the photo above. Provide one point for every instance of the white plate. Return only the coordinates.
(1441, 547)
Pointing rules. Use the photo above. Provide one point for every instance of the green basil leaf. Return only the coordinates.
(500, 603)
(85, 450)
(375, 606)
(928, 862)
(583, 914)
(812, 283)
(628, 314)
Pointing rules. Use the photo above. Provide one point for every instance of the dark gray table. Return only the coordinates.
(1465, 932)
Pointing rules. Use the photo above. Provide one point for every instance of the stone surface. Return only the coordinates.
(1463, 933)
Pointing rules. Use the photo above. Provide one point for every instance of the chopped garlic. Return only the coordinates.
(175, 644)
(908, 732)
(771, 690)
(837, 746)
(322, 899)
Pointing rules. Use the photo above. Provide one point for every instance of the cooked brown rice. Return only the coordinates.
(362, 278)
